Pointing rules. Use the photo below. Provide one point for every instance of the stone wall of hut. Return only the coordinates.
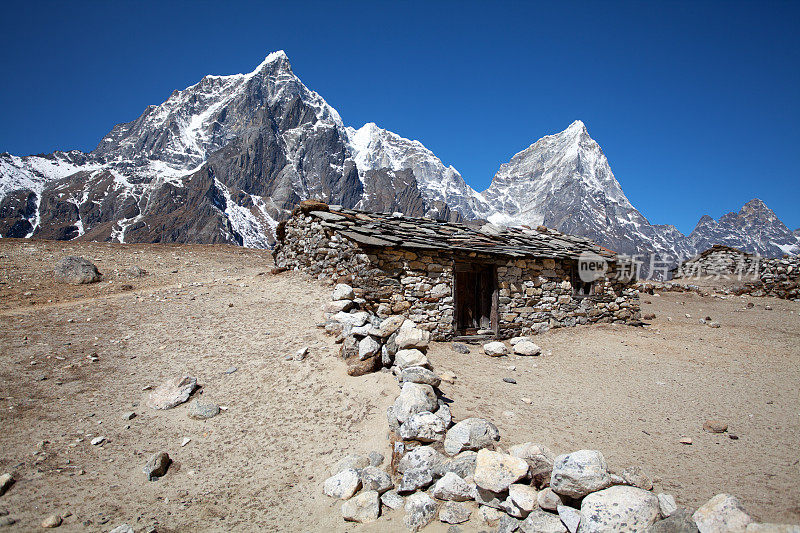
(533, 294)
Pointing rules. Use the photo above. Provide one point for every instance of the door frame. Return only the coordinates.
(476, 267)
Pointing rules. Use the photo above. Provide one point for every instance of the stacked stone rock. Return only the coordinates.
(779, 278)
(717, 261)
(451, 471)
(534, 294)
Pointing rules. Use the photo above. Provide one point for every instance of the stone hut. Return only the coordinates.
(718, 261)
(460, 279)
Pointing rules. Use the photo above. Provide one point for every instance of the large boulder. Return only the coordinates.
(76, 271)
(410, 357)
(342, 485)
(412, 338)
(420, 510)
(390, 325)
(542, 522)
(418, 467)
(620, 508)
(527, 348)
(540, 460)
(343, 292)
(420, 374)
(368, 347)
(454, 488)
(424, 427)
(579, 473)
(495, 349)
(421, 458)
(524, 497)
(373, 478)
(462, 465)
(172, 392)
(470, 434)
(721, 513)
(495, 471)
(355, 320)
(454, 512)
(414, 398)
(363, 508)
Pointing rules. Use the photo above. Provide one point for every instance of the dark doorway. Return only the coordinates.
(475, 298)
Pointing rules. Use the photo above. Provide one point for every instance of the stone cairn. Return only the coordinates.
(446, 470)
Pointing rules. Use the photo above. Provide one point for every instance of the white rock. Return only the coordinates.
(470, 434)
(572, 519)
(363, 508)
(424, 427)
(420, 458)
(441, 290)
(368, 347)
(392, 500)
(355, 320)
(122, 528)
(6, 480)
(489, 515)
(390, 325)
(620, 508)
(373, 478)
(444, 413)
(549, 500)
(414, 398)
(420, 374)
(514, 340)
(343, 485)
(495, 471)
(406, 358)
(454, 513)
(523, 496)
(452, 487)
(343, 292)
(412, 338)
(722, 513)
(527, 348)
(98, 440)
(666, 503)
(495, 349)
(579, 473)
(542, 522)
(540, 460)
(172, 392)
(420, 510)
(338, 306)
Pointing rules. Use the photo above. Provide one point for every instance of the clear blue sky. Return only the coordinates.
(696, 104)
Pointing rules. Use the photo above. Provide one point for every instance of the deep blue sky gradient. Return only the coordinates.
(696, 104)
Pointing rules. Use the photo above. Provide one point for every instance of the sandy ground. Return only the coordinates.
(634, 392)
(630, 392)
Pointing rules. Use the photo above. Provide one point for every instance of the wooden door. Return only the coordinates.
(475, 298)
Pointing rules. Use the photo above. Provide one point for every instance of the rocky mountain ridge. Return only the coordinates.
(226, 159)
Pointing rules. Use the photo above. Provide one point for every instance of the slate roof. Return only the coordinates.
(395, 230)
